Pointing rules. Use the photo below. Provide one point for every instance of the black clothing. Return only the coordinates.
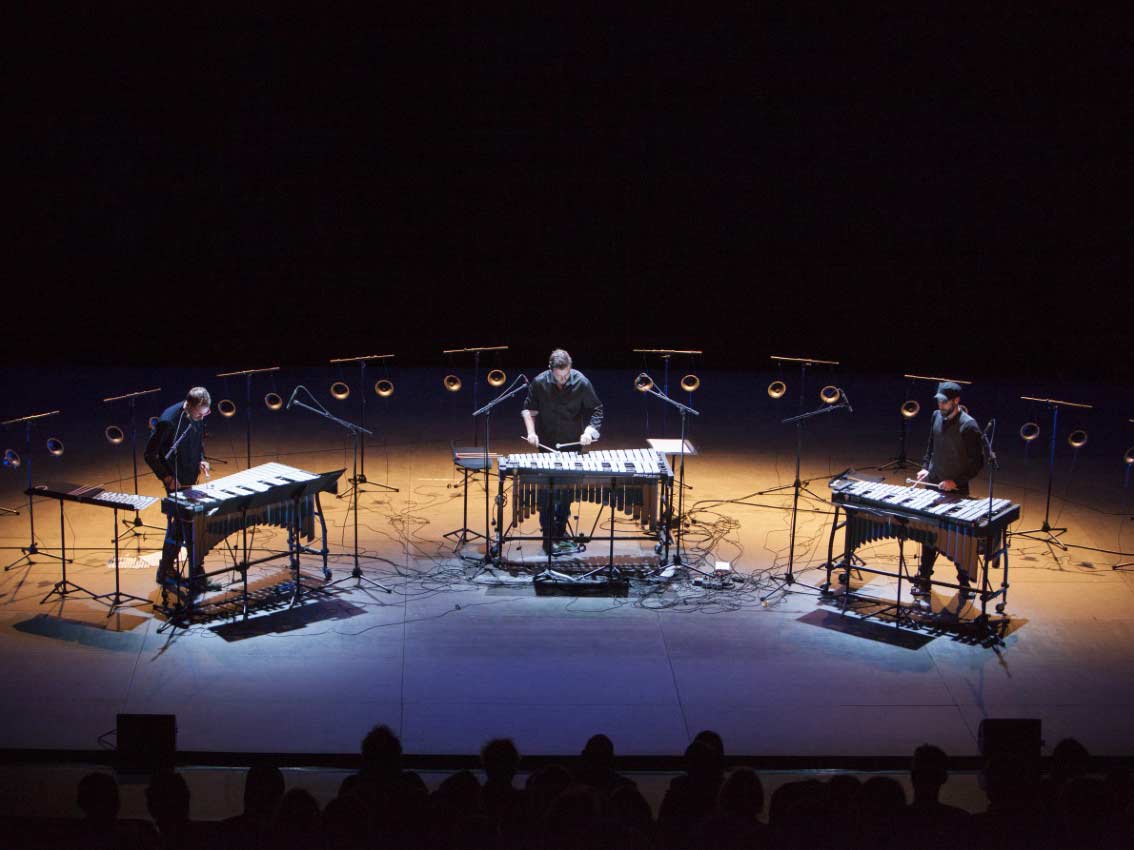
(954, 451)
(954, 454)
(185, 464)
(562, 411)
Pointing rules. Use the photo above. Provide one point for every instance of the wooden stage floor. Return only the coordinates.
(454, 655)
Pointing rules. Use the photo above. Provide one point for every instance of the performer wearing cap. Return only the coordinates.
(562, 398)
(952, 459)
(181, 424)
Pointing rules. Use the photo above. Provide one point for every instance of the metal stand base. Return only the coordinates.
(31, 550)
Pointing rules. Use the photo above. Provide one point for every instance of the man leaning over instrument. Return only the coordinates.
(181, 425)
(561, 398)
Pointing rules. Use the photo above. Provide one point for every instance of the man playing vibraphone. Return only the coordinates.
(563, 399)
(952, 459)
(181, 424)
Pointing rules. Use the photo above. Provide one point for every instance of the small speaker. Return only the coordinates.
(1010, 736)
(146, 742)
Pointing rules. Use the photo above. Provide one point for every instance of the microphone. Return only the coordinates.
(294, 393)
(846, 398)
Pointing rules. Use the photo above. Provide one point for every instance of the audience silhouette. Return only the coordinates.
(588, 804)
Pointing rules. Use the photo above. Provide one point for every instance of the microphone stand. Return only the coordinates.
(788, 579)
(491, 553)
(684, 410)
(355, 432)
(992, 462)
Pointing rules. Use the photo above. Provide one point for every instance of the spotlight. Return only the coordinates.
(690, 383)
(452, 383)
(12, 458)
(273, 401)
(226, 407)
(1127, 458)
(1029, 431)
(910, 408)
(114, 435)
(153, 423)
(384, 388)
(496, 378)
(643, 383)
(777, 389)
(340, 391)
(55, 446)
(830, 394)
(1077, 438)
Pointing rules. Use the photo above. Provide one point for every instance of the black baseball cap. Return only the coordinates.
(948, 389)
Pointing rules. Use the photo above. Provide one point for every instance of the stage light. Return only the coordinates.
(55, 446)
(384, 388)
(226, 407)
(340, 391)
(830, 394)
(12, 459)
(910, 409)
(1128, 458)
(1077, 438)
(452, 383)
(643, 383)
(496, 378)
(777, 389)
(273, 401)
(690, 383)
(153, 423)
(114, 435)
(1029, 431)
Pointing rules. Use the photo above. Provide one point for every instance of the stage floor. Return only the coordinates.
(455, 655)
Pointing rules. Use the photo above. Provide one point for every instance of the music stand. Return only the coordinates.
(684, 410)
(1046, 533)
(469, 459)
(361, 477)
(117, 599)
(32, 549)
(788, 579)
(797, 485)
(492, 553)
(64, 587)
(247, 374)
(132, 526)
(356, 431)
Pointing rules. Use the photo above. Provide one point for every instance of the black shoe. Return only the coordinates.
(921, 587)
(204, 586)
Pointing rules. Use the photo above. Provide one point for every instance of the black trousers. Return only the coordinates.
(929, 553)
(178, 533)
(554, 511)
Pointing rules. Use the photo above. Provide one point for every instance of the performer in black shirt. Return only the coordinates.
(181, 424)
(562, 399)
(952, 459)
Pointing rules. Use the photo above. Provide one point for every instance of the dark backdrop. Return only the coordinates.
(901, 191)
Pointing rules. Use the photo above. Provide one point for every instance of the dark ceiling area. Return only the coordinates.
(897, 191)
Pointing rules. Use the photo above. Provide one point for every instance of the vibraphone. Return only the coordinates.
(636, 482)
(272, 494)
(972, 533)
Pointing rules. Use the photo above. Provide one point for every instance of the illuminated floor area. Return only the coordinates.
(455, 655)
